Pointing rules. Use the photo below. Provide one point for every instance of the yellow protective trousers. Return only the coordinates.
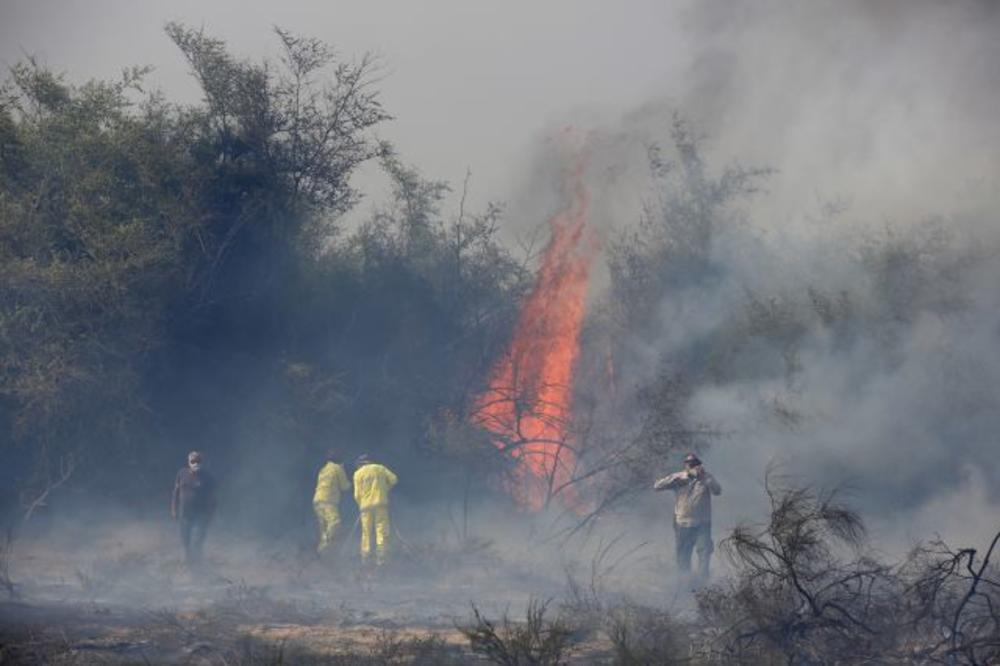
(328, 516)
(375, 519)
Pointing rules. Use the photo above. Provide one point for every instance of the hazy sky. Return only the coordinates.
(878, 103)
(471, 84)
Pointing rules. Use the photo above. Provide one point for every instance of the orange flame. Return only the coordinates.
(528, 403)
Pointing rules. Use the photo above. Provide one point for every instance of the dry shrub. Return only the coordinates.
(805, 591)
(248, 603)
(388, 651)
(535, 642)
(644, 636)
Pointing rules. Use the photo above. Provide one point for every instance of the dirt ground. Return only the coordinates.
(94, 633)
(125, 597)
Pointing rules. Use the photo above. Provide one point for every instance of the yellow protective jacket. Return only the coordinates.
(372, 483)
(330, 483)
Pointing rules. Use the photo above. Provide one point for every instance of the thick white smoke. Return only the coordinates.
(878, 121)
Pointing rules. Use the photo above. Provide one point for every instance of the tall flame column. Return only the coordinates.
(528, 404)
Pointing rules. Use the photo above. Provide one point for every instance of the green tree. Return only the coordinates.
(93, 216)
(131, 228)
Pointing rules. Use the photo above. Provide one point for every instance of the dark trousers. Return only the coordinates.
(193, 531)
(687, 539)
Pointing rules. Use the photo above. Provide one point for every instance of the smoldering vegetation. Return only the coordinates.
(178, 277)
(803, 586)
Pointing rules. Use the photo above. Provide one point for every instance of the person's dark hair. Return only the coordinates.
(333, 455)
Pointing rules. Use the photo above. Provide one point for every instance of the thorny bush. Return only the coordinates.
(806, 591)
(536, 642)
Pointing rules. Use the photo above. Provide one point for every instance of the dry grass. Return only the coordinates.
(537, 641)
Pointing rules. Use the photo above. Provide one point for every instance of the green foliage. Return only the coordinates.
(437, 296)
(295, 135)
(168, 272)
(91, 234)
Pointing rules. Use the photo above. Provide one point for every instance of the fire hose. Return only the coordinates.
(350, 537)
(354, 531)
(403, 541)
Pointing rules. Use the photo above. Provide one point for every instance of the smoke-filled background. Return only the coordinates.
(857, 285)
(795, 206)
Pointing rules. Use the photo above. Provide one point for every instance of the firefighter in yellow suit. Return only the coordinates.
(331, 481)
(372, 483)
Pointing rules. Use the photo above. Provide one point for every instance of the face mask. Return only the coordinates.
(195, 466)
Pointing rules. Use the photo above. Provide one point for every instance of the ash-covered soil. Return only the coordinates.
(122, 595)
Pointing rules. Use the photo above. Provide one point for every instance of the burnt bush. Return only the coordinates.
(643, 636)
(537, 641)
(806, 591)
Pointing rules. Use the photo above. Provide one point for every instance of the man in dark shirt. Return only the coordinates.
(192, 505)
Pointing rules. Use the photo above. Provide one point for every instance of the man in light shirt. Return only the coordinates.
(693, 487)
